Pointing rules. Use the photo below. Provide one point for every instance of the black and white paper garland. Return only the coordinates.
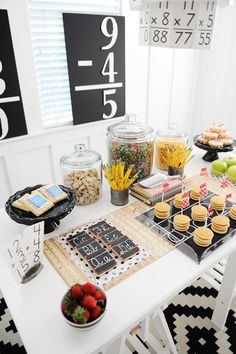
(177, 23)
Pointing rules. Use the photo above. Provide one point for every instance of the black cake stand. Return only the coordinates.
(212, 153)
(51, 218)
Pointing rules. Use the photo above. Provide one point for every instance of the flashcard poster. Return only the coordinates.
(95, 46)
(12, 117)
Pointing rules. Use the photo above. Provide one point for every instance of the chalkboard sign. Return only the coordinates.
(12, 118)
(95, 47)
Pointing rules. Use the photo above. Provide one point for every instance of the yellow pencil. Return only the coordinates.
(116, 177)
(128, 172)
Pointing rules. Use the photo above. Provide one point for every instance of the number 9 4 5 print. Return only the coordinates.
(95, 47)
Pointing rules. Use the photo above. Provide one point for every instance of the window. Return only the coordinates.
(50, 54)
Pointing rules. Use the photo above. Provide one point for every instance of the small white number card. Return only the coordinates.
(24, 254)
(177, 24)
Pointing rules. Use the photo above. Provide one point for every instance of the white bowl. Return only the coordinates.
(88, 325)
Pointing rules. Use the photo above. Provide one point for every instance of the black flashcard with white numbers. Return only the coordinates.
(95, 46)
(12, 118)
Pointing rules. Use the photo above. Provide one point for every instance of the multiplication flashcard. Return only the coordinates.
(24, 253)
(177, 24)
(144, 24)
(33, 237)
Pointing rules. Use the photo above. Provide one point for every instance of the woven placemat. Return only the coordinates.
(124, 220)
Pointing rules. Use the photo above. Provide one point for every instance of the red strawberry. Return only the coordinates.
(96, 312)
(89, 288)
(100, 296)
(76, 292)
(64, 307)
(89, 302)
(68, 308)
(80, 315)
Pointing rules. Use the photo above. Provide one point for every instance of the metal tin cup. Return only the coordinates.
(174, 171)
(119, 198)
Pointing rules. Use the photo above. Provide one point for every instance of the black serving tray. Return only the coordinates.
(212, 153)
(51, 218)
(184, 240)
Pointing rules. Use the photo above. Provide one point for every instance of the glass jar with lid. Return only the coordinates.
(132, 143)
(170, 138)
(82, 172)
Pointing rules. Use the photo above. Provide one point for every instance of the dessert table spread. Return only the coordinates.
(35, 306)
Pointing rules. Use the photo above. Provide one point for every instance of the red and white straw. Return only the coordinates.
(228, 196)
(185, 201)
(224, 183)
(204, 172)
(165, 188)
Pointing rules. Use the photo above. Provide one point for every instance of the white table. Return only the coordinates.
(35, 305)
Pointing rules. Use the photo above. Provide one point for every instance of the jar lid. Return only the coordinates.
(129, 128)
(81, 157)
(171, 133)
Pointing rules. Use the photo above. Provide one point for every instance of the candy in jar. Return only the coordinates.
(82, 173)
(132, 143)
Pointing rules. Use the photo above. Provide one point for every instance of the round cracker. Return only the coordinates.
(162, 207)
(220, 220)
(204, 233)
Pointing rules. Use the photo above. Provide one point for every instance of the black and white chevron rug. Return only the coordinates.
(10, 341)
(188, 317)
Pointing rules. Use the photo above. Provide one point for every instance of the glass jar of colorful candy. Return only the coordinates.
(132, 143)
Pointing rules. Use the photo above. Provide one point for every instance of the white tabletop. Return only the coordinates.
(35, 306)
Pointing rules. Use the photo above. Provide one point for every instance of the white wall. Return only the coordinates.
(136, 66)
(172, 86)
(215, 95)
(190, 87)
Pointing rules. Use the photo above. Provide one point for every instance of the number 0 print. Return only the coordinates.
(4, 124)
(3, 118)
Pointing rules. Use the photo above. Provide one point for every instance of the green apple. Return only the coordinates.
(231, 172)
(218, 167)
(230, 160)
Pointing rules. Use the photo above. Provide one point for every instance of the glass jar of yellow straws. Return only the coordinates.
(166, 140)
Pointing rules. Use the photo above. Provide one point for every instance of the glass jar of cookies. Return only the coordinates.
(82, 172)
(169, 138)
(132, 143)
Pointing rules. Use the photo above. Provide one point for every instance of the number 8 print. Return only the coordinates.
(3, 117)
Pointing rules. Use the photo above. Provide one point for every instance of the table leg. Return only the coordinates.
(164, 331)
(225, 294)
(144, 329)
(117, 346)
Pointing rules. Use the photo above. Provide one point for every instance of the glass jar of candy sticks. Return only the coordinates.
(132, 143)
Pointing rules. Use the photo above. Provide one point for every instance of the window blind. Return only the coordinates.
(49, 51)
